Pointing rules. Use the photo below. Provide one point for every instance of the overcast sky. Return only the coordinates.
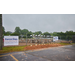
(39, 22)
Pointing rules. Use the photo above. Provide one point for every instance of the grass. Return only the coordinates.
(21, 48)
(12, 49)
(66, 43)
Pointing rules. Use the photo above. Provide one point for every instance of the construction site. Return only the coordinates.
(24, 45)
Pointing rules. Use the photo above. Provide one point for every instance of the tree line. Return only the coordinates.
(25, 32)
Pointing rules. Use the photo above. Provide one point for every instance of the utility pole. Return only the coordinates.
(1, 40)
(26, 38)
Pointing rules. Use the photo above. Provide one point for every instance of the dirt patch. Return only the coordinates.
(39, 46)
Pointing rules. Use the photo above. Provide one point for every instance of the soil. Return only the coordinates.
(39, 46)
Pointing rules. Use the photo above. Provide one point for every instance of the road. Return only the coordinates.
(63, 53)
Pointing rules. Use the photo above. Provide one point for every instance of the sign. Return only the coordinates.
(55, 38)
(11, 40)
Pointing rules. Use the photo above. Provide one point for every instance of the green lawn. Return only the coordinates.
(12, 49)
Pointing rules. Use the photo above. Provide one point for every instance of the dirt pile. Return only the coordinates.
(32, 47)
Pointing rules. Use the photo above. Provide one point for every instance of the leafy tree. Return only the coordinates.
(24, 31)
(18, 30)
(46, 34)
(51, 34)
(69, 32)
(36, 33)
(3, 29)
(8, 33)
(15, 34)
(28, 34)
(54, 33)
(39, 32)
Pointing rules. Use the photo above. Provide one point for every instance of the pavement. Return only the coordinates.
(63, 53)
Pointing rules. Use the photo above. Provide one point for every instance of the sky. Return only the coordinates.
(39, 22)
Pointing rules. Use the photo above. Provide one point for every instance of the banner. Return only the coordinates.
(11, 40)
(55, 38)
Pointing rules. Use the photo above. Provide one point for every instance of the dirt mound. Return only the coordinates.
(33, 47)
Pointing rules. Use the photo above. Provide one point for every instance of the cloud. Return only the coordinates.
(39, 22)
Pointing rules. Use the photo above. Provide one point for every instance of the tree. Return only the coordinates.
(38, 33)
(15, 34)
(3, 29)
(18, 30)
(24, 31)
(51, 34)
(69, 32)
(28, 34)
(46, 34)
(69, 35)
(55, 33)
(8, 33)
